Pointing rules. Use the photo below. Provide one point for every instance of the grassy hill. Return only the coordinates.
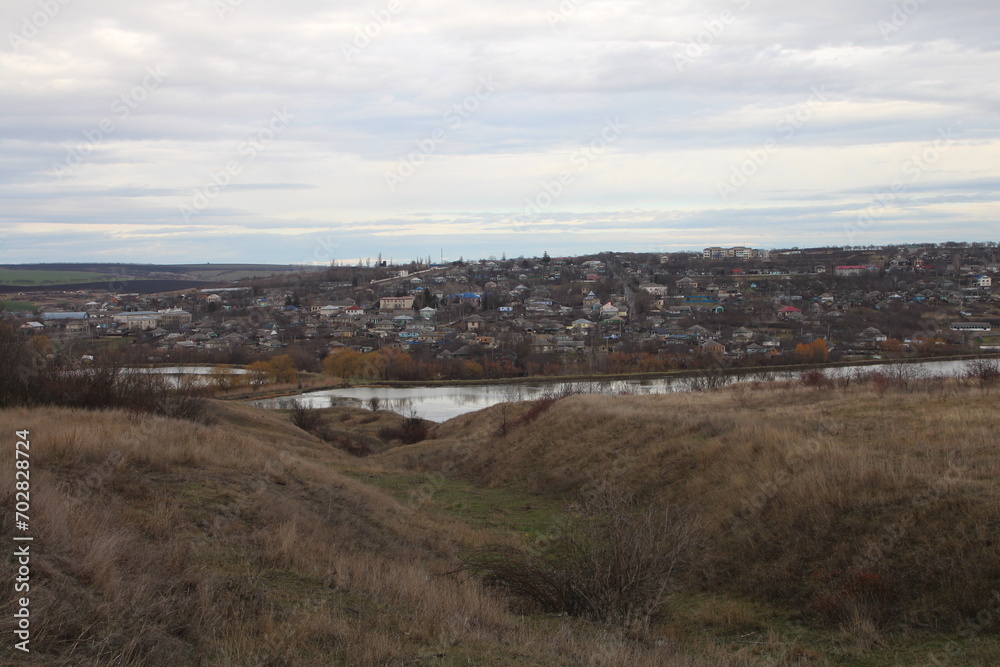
(246, 541)
(35, 277)
(872, 508)
(69, 273)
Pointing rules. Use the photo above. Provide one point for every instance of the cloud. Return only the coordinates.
(702, 87)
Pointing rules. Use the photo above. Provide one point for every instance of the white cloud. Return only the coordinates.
(559, 75)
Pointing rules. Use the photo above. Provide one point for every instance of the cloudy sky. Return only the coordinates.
(308, 131)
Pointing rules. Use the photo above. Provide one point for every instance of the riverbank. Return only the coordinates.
(316, 381)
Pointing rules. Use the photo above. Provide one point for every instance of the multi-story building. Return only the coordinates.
(395, 303)
(736, 252)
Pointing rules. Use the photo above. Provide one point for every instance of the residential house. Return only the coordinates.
(609, 310)
(142, 320)
(699, 333)
(468, 299)
(654, 289)
(712, 347)
(687, 285)
(174, 317)
(854, 269)
(742, 334)
(390, 303)
(872, 335)
(789, 313)
(353, 311)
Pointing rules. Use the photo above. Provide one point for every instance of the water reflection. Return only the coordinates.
(443, 403)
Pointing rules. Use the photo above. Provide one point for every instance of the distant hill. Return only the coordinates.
(88, 275)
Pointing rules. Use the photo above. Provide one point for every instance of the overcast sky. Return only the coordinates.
(310, 131)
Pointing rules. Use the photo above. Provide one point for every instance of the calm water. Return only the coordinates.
(197, 375)
(443, 403)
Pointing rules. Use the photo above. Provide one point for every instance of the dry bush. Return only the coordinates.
(813, 378)
(509, 414)
(411, 430)
(709, 378)
(306, 418)
(983, 372)
(535, 410)
(611, 560)
(31, 378)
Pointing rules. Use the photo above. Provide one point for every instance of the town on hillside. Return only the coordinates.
(613, 312)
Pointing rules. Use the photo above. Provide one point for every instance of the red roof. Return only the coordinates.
(789, 309)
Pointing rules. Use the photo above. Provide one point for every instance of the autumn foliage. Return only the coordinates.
(812, 353)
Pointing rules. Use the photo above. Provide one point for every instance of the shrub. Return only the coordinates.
(536, 409)
(413, 429)
(31, 378)
(984, 372)
(612, 560)
(353, 446)
(306, 418)
(813, 378)
(709, 378)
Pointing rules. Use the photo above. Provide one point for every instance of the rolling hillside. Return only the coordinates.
(839, 526)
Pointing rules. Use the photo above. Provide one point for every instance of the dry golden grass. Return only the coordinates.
(164, 542)
(860, 505)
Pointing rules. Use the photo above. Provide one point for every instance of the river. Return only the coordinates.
(443, 403)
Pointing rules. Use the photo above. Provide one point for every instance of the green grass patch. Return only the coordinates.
(15, 306)
(497, 508)
(35, 277)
